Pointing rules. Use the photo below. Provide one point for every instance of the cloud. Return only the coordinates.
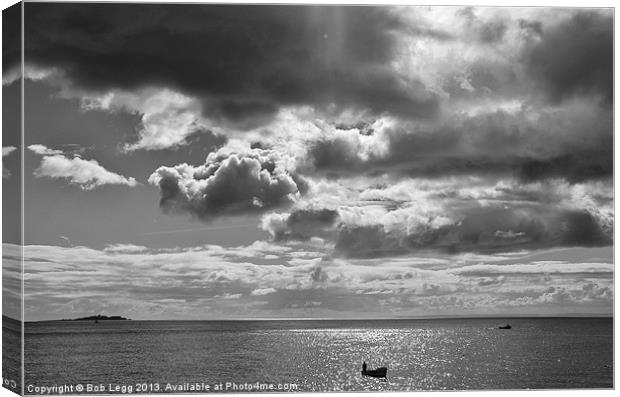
(224, 282)
(168, 118)
(230, 182)
(198, 277)
(391, 175)
(572, 143)
(405, 70)
(11, 33)
(448, 215)
(30, 72)
(87, 174)
(6, 150)
(243, 63)
(475, 229)
(575, 57)
(263, 291)
(486, 31)
(43, 150)
(125, 248)
(362, 131)
(301, 224)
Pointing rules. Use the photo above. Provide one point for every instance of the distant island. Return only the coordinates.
(98, 317)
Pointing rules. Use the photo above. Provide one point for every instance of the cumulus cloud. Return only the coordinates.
(230, 182)
(87, 174)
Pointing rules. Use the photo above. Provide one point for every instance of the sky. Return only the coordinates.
(235, 161)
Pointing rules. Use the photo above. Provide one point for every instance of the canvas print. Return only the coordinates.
(206, 198)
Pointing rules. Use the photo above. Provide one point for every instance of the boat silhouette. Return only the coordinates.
(507, 326)
(375, 373)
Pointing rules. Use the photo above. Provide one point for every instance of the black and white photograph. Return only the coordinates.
(274, 198)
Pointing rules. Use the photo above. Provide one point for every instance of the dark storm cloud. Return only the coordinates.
(481, 229)
(576, 146)
(228, 184)
(11, 37)
(575, 57)
(242, 61)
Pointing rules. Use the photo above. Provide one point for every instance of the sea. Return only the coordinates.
(319, 355)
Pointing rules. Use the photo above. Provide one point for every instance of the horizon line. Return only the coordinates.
(434, 317)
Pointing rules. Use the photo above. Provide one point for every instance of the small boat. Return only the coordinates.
(376, 373)
(507, 326)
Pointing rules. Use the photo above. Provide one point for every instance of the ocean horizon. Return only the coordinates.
(321, 355)
(404, 318)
